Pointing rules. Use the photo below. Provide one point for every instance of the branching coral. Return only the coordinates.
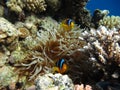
(105, 44)
(111, 22)
(35, 5)
(15, 5)
(32, 5)
(104, 49)
(82, 87)
(92, 63)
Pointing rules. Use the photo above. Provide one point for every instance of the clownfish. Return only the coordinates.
(61, 66)
(67, 24)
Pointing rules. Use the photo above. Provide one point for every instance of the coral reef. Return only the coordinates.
(80, 13)
(81, 87)
(8, 32)
(103, 47)
(54, 82)
(35, 5)
(15, 5)
(32, 41)
(110, 22)
(7, 76)
(105, 44)
(51, 44)
(31, 5)
(54, 4)
(1, 10)
(3, 59)
(81, 69)
(97, 16)
(76, 10)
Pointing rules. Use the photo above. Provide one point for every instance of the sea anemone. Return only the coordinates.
(52, 44)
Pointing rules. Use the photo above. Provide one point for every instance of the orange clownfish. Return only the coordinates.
(61, 66)
(67, 24)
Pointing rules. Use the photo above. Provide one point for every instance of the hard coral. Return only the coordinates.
(105, 44)
(81, 69)
(54, 4)
(97, 16)
(15, 5)
(54, 82)
(98, 60)
(82, 87)
(8, 32)
(1, 10)
(7, 76)
(35, 5)
(110, 22)
(104, 49)
(31, 5)
(76, 10)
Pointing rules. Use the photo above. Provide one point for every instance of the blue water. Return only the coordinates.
(112, 5)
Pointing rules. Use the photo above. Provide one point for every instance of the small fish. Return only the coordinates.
(61, 66)
(67, 24)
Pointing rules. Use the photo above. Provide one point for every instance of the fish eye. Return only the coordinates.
(69, 21)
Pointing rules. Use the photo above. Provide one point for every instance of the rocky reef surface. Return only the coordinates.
(33, 39)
